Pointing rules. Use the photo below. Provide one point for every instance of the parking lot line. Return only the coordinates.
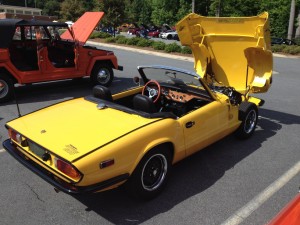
(2, 150)
(241, 214)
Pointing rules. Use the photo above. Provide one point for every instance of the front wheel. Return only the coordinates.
(248, 114)
(102, 74)
(150, 176)
(169, 37)
(6, 88)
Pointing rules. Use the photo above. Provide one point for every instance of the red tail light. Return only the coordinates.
(67, 169)
(14, 135)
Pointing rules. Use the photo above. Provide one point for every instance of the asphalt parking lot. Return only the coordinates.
(230, 182)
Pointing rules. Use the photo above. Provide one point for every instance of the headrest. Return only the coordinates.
(102, 92)
(143, 103)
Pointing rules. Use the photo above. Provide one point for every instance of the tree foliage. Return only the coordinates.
(158, 12)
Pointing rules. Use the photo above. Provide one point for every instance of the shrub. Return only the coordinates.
(121, 39)
(173, 48)
(110, 40)
(277, 48)
(132, 41)
(186, 50)
(297, 41)
(158, 45)
(144, 42)
(292, 49)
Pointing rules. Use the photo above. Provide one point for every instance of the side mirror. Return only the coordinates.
(136, 80)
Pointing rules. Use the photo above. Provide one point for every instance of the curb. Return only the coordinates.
(167, 55)
(161, 54)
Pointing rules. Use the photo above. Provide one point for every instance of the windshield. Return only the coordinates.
(169, 75)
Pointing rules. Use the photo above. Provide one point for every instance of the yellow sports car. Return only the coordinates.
(134, 137)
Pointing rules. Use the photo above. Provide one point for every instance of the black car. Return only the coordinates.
(282, 41)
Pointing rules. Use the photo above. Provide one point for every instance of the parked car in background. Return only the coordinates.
(176, 37)
(168, 35)
(33, 51)
(135, 136)
(110, 30)
(167, 32)
(133, 28)
(154, 31)
(123, 28)
(282, 41)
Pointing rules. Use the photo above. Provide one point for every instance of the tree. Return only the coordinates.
(114, 12)
(71, 9)
(279, 12)
(185, 8)
(202, 7)
(234, 7)
(164, 11)
(51, 8)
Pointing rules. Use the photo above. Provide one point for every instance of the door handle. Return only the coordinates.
(190, 124)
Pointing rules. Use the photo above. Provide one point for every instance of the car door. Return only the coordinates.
(41, 49)
(205, 125)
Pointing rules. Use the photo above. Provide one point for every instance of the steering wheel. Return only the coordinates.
(152, 90)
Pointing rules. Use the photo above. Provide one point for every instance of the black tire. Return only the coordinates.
(169, 37)
(102, 74)
(150, 176)
(6, 88)
(248, 114)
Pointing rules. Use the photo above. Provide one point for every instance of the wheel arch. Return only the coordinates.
(98, 61)
(3, 70)
(168, 145)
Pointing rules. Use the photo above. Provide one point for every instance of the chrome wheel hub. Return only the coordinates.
(154, 172)
(103, 76)
(250, 121)
(3, 88)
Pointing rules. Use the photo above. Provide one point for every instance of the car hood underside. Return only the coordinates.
(77, 123)
(235, 51)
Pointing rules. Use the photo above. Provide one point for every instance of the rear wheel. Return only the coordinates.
(169, 37)
(248, 114)
(150, 176)
(6, 88)
(102, 74)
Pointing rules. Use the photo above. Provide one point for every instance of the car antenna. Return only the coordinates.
(16, 101)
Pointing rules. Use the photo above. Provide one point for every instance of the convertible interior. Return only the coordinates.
(154, 99)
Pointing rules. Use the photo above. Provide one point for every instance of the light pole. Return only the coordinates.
(219, 8)
(193, 6)
(291, 21)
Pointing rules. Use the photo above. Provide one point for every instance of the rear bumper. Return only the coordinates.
(57, 183)
(120, 68)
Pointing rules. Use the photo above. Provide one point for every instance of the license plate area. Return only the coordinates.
(36, 149)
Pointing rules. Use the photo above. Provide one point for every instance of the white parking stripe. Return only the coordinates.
(240, 215)
(2, 150)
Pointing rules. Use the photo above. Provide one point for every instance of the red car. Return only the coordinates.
(290, 215)
(154, 32)
(133, 29)
(33, 51)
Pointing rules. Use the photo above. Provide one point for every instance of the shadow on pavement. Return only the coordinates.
(62, 90)
(189, 177)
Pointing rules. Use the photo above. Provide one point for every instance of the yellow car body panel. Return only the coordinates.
(235, 50)
(75, 121)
